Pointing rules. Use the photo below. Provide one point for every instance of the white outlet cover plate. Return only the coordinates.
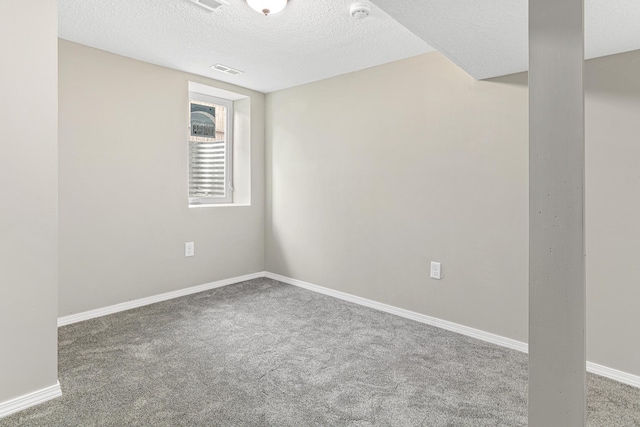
(189, 249)
(436, 271)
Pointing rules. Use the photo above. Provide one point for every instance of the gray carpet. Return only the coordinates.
(261, 353)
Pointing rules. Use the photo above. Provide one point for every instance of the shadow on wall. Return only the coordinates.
(277, 255)
(519, 79)
(614, 75)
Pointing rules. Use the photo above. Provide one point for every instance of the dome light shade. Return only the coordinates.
(268, 7)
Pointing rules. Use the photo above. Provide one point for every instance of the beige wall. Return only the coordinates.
(124, 215)
(613, 210)
(376, 173)
(28, 185)
(373, 174)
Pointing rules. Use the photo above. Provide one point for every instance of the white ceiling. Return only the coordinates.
(310, 40)
(316, 39)
(488, 38)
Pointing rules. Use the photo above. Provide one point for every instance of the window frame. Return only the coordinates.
(228, 142)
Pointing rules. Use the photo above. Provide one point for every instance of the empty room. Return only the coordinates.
(319, 213)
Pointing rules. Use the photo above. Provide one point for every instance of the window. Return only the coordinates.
(210, 150)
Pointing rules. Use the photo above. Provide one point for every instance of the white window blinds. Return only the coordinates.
(210, 150)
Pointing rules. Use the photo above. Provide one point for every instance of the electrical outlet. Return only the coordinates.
(436, 270)
(189, 249)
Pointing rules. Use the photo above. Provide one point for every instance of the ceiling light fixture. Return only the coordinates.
(268, 7)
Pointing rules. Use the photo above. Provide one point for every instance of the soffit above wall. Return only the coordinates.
(489, 38)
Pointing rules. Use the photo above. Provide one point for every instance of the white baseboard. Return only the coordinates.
(99, 312)
(422, 318)
(623, 377)
(614, 374)
(23, 402)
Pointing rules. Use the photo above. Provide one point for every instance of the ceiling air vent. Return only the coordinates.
(210, 4)
(226, 70)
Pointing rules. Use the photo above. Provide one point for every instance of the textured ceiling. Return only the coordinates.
(489, 38)
(316, 39)
(310, 40)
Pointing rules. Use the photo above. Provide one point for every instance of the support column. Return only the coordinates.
(557, 362)
(29, 211)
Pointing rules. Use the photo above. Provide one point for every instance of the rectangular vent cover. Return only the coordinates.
(226, 70)
(210, 4)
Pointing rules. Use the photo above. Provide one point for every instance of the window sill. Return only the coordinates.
(219, 205)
